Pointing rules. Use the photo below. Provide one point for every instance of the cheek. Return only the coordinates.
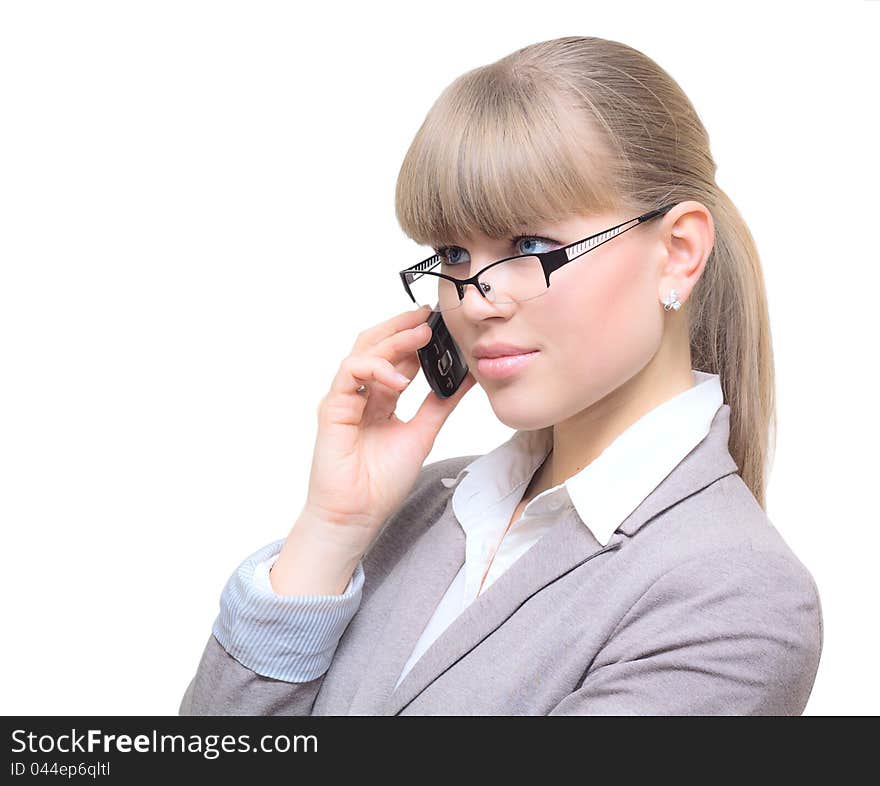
(606, 318)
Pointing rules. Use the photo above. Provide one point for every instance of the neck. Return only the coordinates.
(579, 440)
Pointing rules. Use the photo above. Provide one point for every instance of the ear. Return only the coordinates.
(687, 233)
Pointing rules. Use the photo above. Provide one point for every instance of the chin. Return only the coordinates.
(521, 415)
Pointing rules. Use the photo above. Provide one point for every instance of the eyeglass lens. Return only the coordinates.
(512, 281)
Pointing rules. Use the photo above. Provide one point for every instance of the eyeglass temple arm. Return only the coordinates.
(432, 262)
(658, 212)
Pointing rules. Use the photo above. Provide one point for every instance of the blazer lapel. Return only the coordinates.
(566, 545)
(430, 567)
(440, 553)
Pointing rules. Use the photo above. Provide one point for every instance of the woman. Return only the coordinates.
(614, 556)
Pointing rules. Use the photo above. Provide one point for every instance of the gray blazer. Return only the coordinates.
(695, 606)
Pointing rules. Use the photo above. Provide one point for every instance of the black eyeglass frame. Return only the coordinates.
(550, 260)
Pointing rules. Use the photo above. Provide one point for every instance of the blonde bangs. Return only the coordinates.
(579, 125)
(498, 155)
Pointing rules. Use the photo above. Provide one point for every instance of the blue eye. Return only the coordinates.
(530, 238)
(452, 254)
(449, 254)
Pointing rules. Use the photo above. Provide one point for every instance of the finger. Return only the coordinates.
(434, 411)
(408, 319)
(364, 369)
(401, 348)
(409, 365)
(346, 405)
(343, 404)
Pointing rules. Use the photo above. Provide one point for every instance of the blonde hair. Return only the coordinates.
(580, 124)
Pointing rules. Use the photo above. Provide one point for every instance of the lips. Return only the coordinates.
(500, 349)
(505, 366)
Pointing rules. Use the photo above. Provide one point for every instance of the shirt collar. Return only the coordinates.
(608, 489)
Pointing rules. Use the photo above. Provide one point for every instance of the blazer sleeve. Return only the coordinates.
(268, 653)
(735, 632)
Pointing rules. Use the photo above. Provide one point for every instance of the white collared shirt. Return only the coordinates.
(603, 494)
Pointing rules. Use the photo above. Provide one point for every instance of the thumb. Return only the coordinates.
(434, 411)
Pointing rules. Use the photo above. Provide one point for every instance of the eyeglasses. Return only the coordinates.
(510, 280)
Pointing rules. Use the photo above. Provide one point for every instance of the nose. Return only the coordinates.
(476, 306)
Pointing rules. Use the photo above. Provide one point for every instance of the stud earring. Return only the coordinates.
(671, 301)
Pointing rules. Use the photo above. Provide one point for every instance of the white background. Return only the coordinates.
(196, 221)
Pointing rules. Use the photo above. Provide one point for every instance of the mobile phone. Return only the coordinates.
(441, 359)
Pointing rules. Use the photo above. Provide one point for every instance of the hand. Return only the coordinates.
(366, 460)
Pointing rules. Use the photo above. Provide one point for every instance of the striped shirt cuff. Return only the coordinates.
(285, 637)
